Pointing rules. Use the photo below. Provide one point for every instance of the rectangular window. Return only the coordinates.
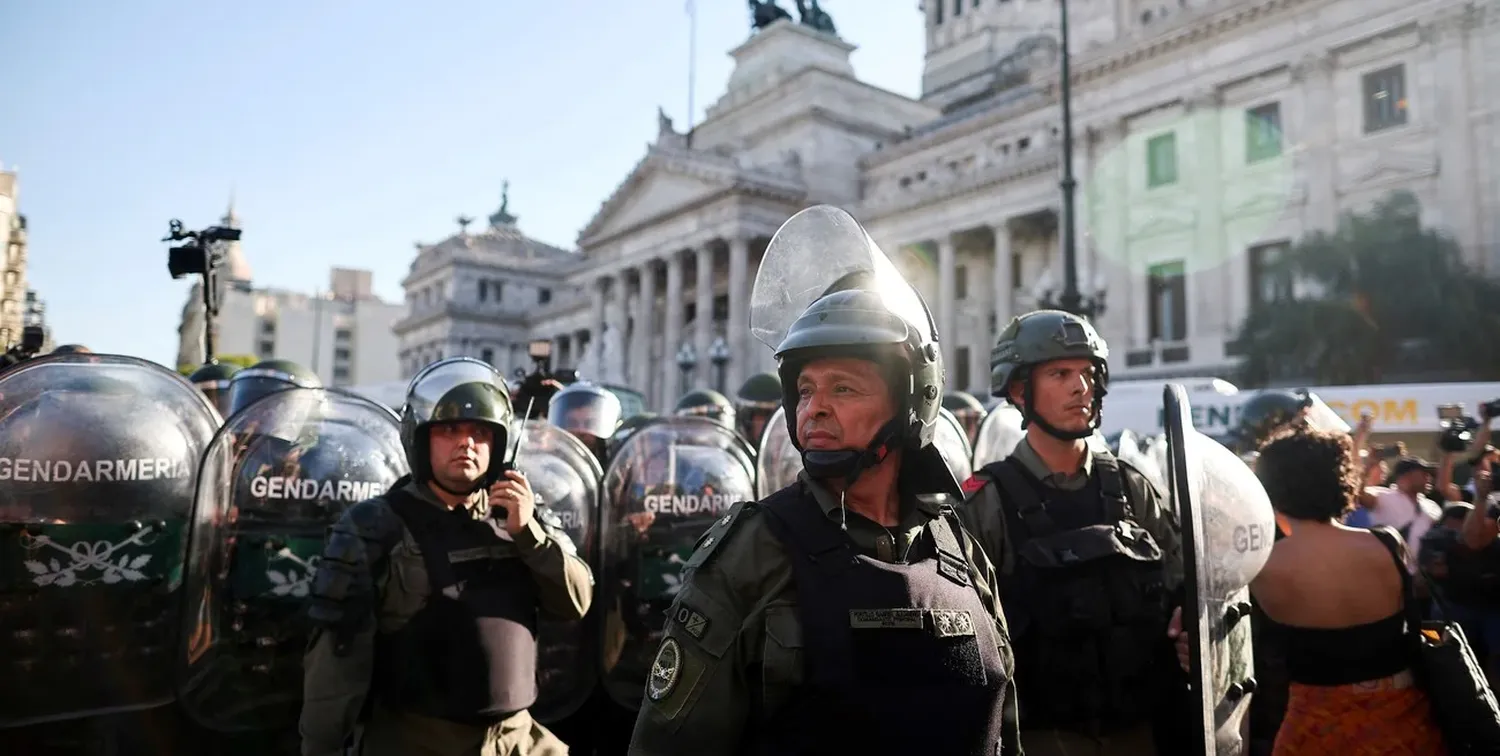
(1263, 132)
(960, 283)
(268, 327)
(267, 348)
(1385, 98)
(1161, 160)
(343, 335)
(960, 374)
(488, 355)
(1167, 287)
(341, 355)
(341, 374)
(543, 296)
(1269, 283)
(484, 290)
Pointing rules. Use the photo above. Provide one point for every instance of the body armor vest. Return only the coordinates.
(1086, 601)
(469, 654)
(899, 658)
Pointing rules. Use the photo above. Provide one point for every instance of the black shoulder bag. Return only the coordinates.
(1445, 667)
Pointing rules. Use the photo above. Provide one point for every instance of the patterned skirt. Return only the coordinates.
(1387, 717)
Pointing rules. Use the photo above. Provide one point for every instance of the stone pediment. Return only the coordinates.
(669, 181)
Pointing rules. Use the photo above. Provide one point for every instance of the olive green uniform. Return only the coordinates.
(983, 516)
(337, 684)
(737, 624)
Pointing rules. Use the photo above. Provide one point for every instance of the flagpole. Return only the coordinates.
(692, 11)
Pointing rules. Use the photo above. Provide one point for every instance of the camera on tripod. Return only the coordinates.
(1456, 428)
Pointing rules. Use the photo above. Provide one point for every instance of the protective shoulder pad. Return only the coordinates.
(374, 521)
(343, 588)
(717, 534)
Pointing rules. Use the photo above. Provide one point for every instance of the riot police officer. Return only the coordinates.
(213, 378)
(1088, 553)
(591, 413)
(844, 613)
(709, 404)
(265, 377)
(757, 400)
(428, 597)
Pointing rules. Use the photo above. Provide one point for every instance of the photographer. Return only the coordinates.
(1464, 565)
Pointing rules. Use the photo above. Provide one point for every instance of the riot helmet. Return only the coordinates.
(706, 403)
(1040, 337)
(213, 379)
(825, 290)
(455, 390)
(266, 377)
(72, 349)
(758, 398)
(967, 410)
(588, 412)
(1272, 409)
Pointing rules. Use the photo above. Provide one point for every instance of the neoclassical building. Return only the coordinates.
(1208, 136)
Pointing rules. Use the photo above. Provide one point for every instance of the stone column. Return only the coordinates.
(703, 293)
(645, 329)
(1000, 278)
(596, 289)
(980, 340)
(741, 343)
(671, 376)
(615, 369)
(1205, 268)
(1319, 123)
(947, 269)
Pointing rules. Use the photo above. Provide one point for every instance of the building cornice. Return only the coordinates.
(1041, 163)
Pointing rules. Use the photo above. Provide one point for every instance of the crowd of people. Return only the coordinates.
(650, 603)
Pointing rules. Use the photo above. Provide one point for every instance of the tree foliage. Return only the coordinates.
(1381, 294)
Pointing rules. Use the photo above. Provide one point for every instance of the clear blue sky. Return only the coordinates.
(347, 130)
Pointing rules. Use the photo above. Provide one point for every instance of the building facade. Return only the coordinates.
(1208, 136)
(13, 264)
(345, 334)
(485, 294)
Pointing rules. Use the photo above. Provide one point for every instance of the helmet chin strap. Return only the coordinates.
(848, 464)
(1029, 416)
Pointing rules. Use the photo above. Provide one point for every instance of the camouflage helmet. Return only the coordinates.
(266, 377)
(72, 349)
(848, 321)
(458, 389)
(760, 390)
(706, 403)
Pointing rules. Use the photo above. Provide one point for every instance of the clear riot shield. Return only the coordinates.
(998, 435)
(565, 477)
(98, 457)
(778, 462)
(1228, 529)
(664, 488)
(279, 473)
(952, 441)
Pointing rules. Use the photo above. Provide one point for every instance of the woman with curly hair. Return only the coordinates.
(1335, 596)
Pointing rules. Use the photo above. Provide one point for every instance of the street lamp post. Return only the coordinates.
(1072, 300)
(718, 353)
(687, 359)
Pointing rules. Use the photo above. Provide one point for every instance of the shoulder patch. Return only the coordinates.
(665, 669)
(974, 483)
(716, 534)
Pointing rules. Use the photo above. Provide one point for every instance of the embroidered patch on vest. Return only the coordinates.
(951, 624)
(885, 619)
(664, 670)
(974, 483)
(692, 621)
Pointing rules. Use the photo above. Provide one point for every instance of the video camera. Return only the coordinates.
(1457, 428)
(32, 339)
